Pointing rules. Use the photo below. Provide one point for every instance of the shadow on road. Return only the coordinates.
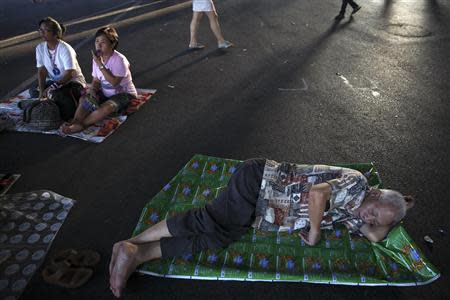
(256, 93)
(208, 55)
(387, 8)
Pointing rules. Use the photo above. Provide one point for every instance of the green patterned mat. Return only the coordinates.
(339, 258)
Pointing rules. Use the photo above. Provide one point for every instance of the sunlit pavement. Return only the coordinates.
(297, 87)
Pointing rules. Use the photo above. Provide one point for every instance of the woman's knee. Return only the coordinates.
(108, 107)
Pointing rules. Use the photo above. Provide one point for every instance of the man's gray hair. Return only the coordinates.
(395, 199)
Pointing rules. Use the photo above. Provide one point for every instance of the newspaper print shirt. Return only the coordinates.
(282, 204)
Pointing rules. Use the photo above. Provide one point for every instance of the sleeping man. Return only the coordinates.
(268, 196)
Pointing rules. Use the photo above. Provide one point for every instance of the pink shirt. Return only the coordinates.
(119, 66)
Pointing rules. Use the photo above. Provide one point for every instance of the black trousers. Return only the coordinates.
(66, 97)
(344, 5)
(220, 222)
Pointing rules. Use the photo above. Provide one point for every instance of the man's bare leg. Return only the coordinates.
(127, 257)
(154, 233)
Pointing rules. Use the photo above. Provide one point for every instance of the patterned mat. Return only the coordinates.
(339, 258)
(29, 223)
(6, 182)
(96, 133)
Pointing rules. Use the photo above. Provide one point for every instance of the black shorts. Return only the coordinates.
(120, 100)
(220, 222)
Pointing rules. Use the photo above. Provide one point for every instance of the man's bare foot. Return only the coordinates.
(68, 128)
(123, 263)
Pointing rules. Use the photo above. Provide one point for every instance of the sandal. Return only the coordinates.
(80, 258)
(197, 46)
(225, 45)
(65, 276)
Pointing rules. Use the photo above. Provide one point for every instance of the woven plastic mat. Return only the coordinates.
(339, 258)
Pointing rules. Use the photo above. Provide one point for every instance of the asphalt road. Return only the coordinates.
(297, 87)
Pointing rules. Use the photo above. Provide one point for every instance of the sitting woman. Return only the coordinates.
(59, 74)
(268, 196)
(112, 86)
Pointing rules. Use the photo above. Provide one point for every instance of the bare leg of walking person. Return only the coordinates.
(214, 25)
(196, 17)
(215, 28)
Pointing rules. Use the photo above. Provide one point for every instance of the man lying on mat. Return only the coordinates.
(268, 196)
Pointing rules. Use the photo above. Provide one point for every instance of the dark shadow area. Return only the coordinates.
(234, 116)
(174, 57)
(336, 25)
(387, 8)
(437, 13)
(209, 55)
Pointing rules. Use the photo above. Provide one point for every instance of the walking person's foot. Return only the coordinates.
(225, 45)
(339, 17)
(123, 264)
(196, 46)
(355, 10)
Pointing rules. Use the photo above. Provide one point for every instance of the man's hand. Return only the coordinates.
(43, 94)
(311, 237)
(47, 92)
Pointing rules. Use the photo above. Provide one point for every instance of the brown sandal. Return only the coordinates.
(63, 275)
(77, 258)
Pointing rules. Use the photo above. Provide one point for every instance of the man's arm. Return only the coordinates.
(319, 195)
(374, 233)
(41, 75)
(67, 76)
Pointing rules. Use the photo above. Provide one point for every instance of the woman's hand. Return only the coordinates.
(98, 59)
(311, 237)
(92, 92)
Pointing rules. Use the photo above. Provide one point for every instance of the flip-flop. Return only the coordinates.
(225, 45)
(65, 276)
(77, 258)
(197, 47)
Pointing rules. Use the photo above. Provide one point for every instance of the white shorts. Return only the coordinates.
(203, 5)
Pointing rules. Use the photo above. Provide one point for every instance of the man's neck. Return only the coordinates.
(51, 45)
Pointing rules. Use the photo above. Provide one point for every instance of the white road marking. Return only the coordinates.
(304, 88)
